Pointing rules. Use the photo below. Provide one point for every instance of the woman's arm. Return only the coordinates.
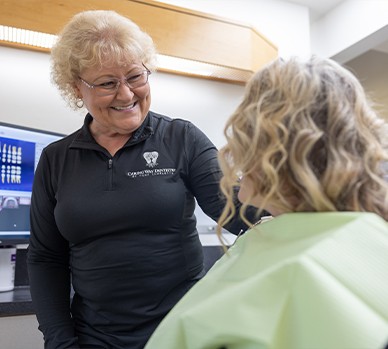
(48, 265)
(204, 179)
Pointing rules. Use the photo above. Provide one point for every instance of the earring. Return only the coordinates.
(79, 103)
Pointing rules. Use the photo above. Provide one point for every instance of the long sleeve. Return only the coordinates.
(205, 184)
(48, 265)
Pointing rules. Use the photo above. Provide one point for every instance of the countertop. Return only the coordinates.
(16, 302)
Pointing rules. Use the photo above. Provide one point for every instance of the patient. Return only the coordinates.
(305, 145)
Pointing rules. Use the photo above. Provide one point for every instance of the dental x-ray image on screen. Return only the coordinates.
(20, 150)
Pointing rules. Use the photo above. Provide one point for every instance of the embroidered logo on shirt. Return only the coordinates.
(150, 158)
(153, 172)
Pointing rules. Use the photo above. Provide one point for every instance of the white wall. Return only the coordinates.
(28, 98)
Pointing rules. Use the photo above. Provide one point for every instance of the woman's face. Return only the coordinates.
(123, 111)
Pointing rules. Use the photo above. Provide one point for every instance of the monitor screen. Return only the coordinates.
(20, 149)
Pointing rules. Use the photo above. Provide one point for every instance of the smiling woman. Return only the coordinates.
(112, 210)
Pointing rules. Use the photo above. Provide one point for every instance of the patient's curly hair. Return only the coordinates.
(308, 139)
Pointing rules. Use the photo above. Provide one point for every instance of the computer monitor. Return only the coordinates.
(20, 149)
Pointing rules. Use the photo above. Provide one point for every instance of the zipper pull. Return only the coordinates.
(110, 163)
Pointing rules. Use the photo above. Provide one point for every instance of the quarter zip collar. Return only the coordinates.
(85, 140)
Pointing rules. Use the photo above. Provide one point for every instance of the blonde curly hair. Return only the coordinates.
(93, 38)
(308, 140)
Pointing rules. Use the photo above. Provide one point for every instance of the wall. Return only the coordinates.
(372, 70)
(29, 99)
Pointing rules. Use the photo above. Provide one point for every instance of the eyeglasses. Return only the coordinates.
(110, 87)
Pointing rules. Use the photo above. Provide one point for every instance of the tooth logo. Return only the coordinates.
(150, 158)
